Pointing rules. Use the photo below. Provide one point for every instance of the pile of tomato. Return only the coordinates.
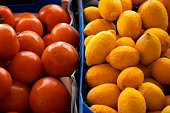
(35, 51)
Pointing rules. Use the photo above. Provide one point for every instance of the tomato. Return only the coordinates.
(60, 59)
(12, 112)
(66, 33)
(17, 99)
(49, 95)
(53, 14)
(31, 41)
(26, 66)
(48, 39)
(20, 16)
(32, 24)
(6, 16)
(9, 45)
(6, 82)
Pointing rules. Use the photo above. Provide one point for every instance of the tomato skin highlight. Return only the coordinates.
(9, 44)
(49, 95)
(60, 59)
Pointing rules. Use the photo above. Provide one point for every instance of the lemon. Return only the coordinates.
(163, 37)
(99, 47)
(87, 39)
(149, 48)
(154, 97)
(129, 24)
(102, 73)
(154, 15)
(91, 13)
(110, 9)
(102, 109)
(130, 77)
(166, 109)
(97, 26)
(131, 101)
(125, 41)
(122, 57)
(104, 94)
(160, 70)
(126, 5)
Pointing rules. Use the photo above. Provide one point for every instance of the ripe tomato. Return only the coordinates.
(31, 41)
(32, 24)
(48, 39)
(49, 95)
(52, 14)
(17, 99)
(66, 33)
(60, 59)
(26, 66)
(6, 16)
(20, 16)
(6, 82)
(12, 112)
(9, 45)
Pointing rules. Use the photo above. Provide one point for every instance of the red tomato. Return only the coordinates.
(6, 82)
(17, 100)
(12, 112)
(49, 95)
(31, 41)
(9, 45)
(48, 39)
(66, 33)
(53, 14)
(32, 24)
(60, 59)
(6, 16)
(20, 16)
(26, 66)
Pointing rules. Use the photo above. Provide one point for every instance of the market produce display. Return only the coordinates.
(127, 56)
(35, 51)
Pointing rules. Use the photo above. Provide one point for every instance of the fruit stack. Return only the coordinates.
(35, 52)
(127, 52)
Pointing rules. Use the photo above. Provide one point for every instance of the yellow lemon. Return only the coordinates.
(163, 37)
(97, 26)
(130, 77)
(110, 9)
(125, 41)
(154, 97)
(99, 47)
(149, 48)
(122, 57)
(131, 101)
(91, 13)
(104, 94)
(87, 39)
(129, 24)
(154, 15)
(102, 73)
(161, 70)
(126, 5)
(102, 109)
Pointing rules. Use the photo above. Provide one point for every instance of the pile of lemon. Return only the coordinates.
(128, 54)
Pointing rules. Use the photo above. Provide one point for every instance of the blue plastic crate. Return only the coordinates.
(83, 108)
(32, 7)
